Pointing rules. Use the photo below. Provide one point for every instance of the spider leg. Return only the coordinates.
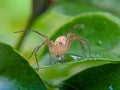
(33, 51)
(82, 45)
(71, 37)
(88, 45)
(36, 58)
(87, 42)
(33, 31)
(36, 51)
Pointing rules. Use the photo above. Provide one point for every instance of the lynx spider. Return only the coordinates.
(61, 45)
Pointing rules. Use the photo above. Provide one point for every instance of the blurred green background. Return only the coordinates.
(101, 26)
(15, 15)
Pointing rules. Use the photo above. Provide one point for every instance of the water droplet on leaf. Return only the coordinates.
(82, 26)
(99, 42)
(110, 87)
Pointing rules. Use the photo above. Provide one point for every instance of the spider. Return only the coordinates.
(61, 45)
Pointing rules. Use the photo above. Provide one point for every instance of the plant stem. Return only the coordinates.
(39, 7)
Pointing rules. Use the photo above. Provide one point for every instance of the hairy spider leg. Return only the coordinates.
(74, 37)
(82, 42)
(82, 46)
(71, 37)
(88, 44)
(38, 47)
(33, 53)
(32, 31)
(80, 39)
(36, 51)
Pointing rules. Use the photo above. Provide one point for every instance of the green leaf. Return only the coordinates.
(15, 72)
(62, 13)
(73, 8)
(109, 5)
(105, 77)
(102, 30)
(14, 16)
(90, 72)
(66, 70)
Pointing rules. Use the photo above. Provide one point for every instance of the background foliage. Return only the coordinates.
(99, 22)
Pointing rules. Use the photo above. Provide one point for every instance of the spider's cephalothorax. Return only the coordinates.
(61, 45)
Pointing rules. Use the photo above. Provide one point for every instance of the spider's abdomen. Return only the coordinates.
(58, 47)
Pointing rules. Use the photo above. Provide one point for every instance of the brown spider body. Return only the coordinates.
(61, 45)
